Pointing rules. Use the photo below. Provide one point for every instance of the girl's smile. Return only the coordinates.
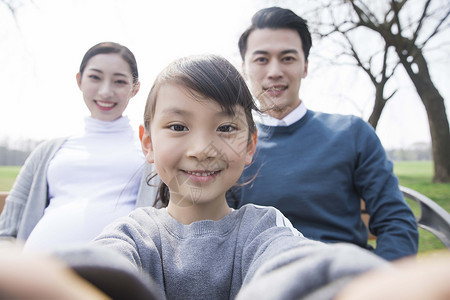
(202, 176)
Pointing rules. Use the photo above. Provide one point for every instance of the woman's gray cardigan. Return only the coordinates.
(28, 197)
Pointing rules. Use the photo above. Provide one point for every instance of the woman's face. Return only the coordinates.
(107, 86)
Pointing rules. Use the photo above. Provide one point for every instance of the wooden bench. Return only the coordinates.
(3, 196)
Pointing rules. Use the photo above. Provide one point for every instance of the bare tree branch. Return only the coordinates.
(400, 34)
(437, 47)
(369, 13)
(421, 20)
(13, 6)
(436, 30)
(392, 95)
(395, 7)
(355, 55)
(364, 19)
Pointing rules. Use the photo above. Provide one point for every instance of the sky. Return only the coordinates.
(41, 49)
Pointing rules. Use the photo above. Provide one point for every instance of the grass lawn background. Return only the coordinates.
(415, 175)
(7, 176)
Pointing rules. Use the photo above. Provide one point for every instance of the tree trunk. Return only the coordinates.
(434, 105)
(378, 107)
(412, 59)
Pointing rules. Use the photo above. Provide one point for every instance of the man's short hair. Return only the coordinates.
(277, 18)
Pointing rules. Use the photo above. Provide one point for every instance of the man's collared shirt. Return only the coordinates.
(290, 119)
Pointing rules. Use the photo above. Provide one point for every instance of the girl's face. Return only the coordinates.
(198, 149)
(107, 86)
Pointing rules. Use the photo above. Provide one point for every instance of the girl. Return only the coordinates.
(70, 188)
(200, 134)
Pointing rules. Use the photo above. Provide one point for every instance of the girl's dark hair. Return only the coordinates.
(206, 76)
(111, 47)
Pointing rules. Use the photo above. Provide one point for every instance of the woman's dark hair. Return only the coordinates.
(111, 47)
(277, 18)
(206, 76)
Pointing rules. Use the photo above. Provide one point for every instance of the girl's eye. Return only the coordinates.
(178, 127)
(226, 128)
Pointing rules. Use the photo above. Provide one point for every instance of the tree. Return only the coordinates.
(378, 76)
(13, 5)
(404, 41)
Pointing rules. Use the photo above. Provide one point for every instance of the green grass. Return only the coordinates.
(7, 176)
(415, 175)
(418, 176)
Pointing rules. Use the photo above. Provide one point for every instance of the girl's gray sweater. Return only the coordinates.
(252, 253)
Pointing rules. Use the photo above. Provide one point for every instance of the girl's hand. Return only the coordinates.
(411, 279)
(33, 276)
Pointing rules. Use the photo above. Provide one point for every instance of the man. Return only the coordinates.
(312, 166)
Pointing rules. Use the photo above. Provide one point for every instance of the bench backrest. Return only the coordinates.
(3, 196)
(433, 217)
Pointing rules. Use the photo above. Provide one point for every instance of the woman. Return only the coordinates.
(70, 188)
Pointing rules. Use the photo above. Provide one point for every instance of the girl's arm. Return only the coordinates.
(282, 264)
(110, 271)
(123, 254)
(120, 261)
(309, 269)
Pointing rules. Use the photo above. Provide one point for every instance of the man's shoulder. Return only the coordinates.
(330, 117)
(335, 121)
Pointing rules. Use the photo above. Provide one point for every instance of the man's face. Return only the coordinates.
(274, 66)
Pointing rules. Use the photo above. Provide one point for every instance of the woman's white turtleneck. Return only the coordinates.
(93, 179)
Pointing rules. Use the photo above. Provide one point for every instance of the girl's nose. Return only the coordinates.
(203, 148)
